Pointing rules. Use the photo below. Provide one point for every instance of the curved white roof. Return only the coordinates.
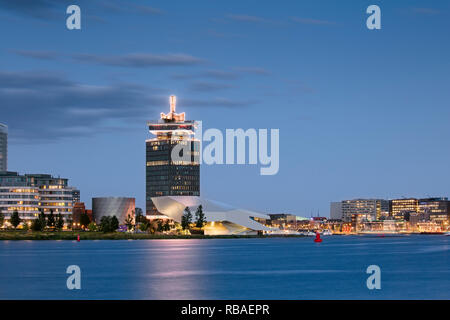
(173, 207)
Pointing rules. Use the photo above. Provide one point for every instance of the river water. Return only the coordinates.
(412, 267)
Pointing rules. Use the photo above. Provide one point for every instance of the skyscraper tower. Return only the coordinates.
(3, 147)
(165, 175)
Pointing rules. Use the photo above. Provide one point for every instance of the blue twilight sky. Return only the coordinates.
(361, 113)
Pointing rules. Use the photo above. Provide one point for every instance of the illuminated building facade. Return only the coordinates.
(3, 147)
(400, 207)
(18, 194)
(77, 211)
(165, 176)
(75, 195)
(30, 194)
(371, 209)
(221, 219)
(435, 209)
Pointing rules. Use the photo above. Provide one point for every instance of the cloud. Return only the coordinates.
(45, 107)
(133, 60)
(219, 74)
(211, 74)
(425, 11)
(202, 86)
(216, 34)
(41, 9)
(311, 21)
(129, 7)
(41, 55)
(217, 102)
(253, 70)
(245, 18)
(140, 60)
(148, 10)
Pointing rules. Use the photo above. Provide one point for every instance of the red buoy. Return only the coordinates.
(78, 238)
(317, 239)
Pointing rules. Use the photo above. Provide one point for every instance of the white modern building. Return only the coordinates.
(221, 218)
(31, 194)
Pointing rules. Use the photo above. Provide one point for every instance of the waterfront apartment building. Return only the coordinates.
(370, 209)
(18, 194)
(3, 147)
(164, 176)
(30, 194)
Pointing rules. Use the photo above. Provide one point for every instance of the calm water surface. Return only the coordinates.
(413, 267)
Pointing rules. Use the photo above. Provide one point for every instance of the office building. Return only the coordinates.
(3, 147)
(401, 207)
(370, 209)
(435, 209)
(164, 175)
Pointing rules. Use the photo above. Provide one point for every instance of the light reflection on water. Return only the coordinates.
(414, 267)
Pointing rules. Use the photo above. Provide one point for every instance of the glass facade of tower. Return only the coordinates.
(166, 176)
(3, 147)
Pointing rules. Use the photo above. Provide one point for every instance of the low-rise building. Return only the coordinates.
(119, 207)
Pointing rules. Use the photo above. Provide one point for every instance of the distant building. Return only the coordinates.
(401, 207)
(284, 220)
(113, 206)
(165, 177)
(31, 193)
(3, 147)
(75, 195)
(435, 209)
(336, 210)
(372, 209)
(78, 210)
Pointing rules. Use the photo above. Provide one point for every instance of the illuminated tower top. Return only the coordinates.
(172, 124)
(172, 116)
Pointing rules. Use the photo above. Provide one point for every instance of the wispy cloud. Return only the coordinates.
(118, 7)
(203, 86)
(41, 9)
(253, 70)
(35, 54)
(211, 74)
(245, 18)
(311, 21)
(218, 102)
(426, 11)
(140, 60)
(216, 34)
(133, 60)
(219, 74)
(41, 106)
